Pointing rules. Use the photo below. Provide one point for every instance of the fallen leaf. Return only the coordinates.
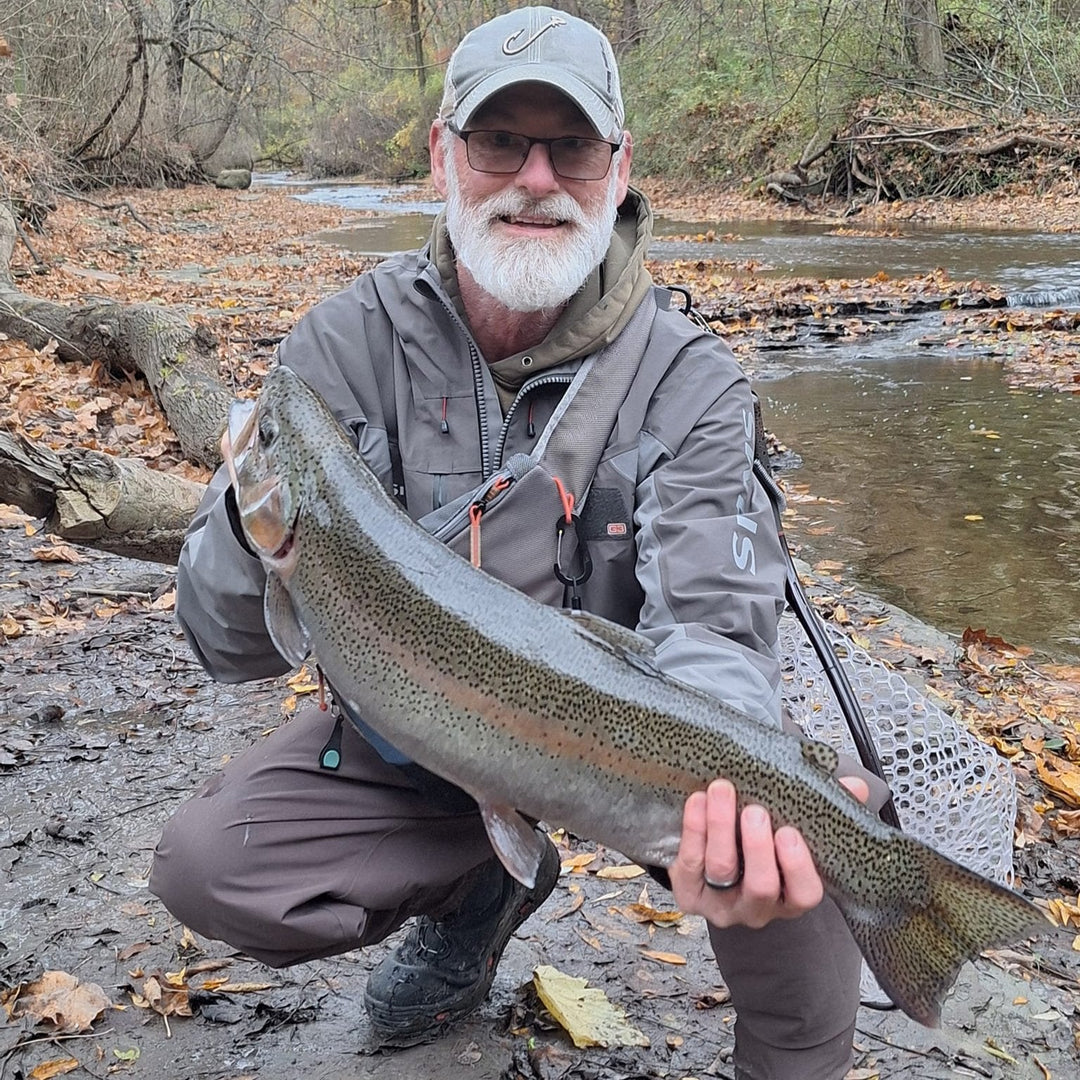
(620, 873)
(133, 950)
(583, 1011)
(663, 957)
(59, 999)
(57, 1067)
(643, 913)
(57, 553)
(1061, 777)
(577, 862)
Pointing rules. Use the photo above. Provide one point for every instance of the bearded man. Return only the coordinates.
(444, 364)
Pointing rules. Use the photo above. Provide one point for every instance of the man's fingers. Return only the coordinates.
(722, 864)
(691, 857)
(761, 875)
(802, 886)
(857, 786)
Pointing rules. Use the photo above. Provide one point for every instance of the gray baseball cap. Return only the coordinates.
(536, 44)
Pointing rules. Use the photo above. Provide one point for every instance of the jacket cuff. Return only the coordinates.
(232, 511)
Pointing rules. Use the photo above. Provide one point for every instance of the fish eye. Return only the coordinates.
(268, 430)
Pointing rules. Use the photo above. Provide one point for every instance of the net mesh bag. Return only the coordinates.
(951, 791)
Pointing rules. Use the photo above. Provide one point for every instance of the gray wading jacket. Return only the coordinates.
(681, 535)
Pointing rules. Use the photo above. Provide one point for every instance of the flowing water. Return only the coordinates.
(949, 494)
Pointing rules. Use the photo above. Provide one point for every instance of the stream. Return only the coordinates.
(944, 491)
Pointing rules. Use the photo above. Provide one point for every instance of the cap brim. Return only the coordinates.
(604, 121)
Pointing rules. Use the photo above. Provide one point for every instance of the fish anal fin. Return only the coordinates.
(517, 844)
(286, 631)
(934, 916)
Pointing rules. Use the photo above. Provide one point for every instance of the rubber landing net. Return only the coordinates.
(950, 790)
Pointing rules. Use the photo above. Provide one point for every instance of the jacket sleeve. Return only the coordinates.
(219, 596)
(709, 558)
(220, 585)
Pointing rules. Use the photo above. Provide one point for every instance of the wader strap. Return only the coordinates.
(574, 439)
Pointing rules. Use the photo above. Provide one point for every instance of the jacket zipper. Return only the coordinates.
(477, 362)
(526, 389)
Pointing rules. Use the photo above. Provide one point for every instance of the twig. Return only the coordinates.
(125, 205)
(893, 1045)
(26, 240)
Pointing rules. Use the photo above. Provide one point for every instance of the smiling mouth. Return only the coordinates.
(533, 223)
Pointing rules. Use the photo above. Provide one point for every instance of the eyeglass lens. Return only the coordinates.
(505, 152)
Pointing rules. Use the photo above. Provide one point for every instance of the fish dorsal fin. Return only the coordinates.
(821, 755)
(286, 631)
(518, 845)
(612, 633)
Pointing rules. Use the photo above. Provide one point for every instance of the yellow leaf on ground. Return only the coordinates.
(57, 1067)
(576, 862)
(1061, 777)
(663, 957)
(583, 1011)
(644, 913)
(620, 873)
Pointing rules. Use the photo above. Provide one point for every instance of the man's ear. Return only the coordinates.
(436, 153)
(626, 156)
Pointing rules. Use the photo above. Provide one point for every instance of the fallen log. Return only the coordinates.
(104, 502)
(178, 360)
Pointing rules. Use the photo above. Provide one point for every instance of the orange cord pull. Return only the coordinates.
(567, 499)
(475, 512)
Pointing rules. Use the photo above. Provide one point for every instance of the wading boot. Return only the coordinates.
(444, 968)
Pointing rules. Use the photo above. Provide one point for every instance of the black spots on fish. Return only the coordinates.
(934, 916)
(821, 756)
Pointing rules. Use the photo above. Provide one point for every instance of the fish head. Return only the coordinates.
(260, 448)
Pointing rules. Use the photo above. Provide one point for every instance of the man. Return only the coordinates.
(443, 363)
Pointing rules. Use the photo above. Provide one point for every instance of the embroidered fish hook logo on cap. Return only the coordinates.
(510, 49)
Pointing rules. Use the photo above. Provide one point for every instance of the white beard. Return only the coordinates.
(528, 274)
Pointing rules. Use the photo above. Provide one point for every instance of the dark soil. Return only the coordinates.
(107, 723)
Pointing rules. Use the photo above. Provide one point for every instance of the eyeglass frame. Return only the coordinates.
(615, 147)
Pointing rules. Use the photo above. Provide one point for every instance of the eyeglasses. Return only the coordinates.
(503, 152)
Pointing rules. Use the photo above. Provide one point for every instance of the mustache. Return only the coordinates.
(515, 203)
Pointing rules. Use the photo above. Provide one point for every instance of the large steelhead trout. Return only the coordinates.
(567, 720)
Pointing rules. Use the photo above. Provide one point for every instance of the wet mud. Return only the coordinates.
(107, 723)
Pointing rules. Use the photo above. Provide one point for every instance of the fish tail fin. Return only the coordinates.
(935, 915)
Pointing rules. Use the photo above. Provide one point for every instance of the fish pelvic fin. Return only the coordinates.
(518, 845)
(939, 916)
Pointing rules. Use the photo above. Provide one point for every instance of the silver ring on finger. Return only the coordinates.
(722, 885)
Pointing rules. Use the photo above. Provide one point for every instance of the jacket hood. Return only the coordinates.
(595, 314)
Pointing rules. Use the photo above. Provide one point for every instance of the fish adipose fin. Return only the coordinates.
(821, 755)
(286, 631)
(938, 916)
(518, 845)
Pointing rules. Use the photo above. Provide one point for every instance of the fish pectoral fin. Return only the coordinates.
(517, 844)
(286, 631)
(633, 647)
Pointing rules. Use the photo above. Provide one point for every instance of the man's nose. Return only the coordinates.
(537, 175)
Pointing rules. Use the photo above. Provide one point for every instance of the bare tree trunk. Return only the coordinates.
(178, 360)
(112, 504)
(922, 26)
(176, 56)
(418, 43)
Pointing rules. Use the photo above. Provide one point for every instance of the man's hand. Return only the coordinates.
(776, 878)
